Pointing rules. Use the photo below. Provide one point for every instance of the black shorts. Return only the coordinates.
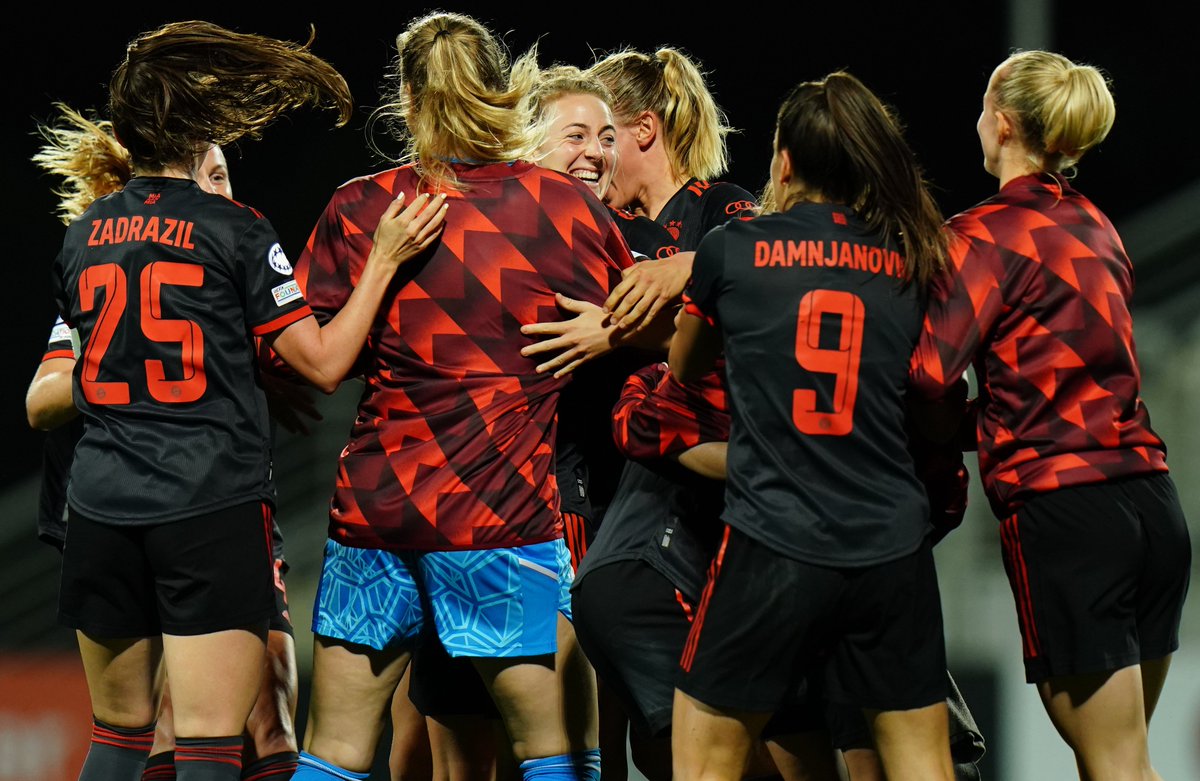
(632, 624)
(1099, 574)
(442, 685)
(766, 620)
(191, 577)
(848, 728)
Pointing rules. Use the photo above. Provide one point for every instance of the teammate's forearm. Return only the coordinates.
(49, 402)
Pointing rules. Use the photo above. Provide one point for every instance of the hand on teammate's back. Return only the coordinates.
(402, 235)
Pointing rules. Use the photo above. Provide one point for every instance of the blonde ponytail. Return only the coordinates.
(456, 98)
(1061, 109)
(671, 86)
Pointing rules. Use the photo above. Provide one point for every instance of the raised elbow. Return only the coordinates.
(45, 417)
(37, 418)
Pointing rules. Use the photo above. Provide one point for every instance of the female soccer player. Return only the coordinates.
(1095, 543)
(818, 308)
(572, 114)
(170, 493)
(671, 143)
(444, 492)
(92, 164)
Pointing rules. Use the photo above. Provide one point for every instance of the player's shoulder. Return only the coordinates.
(380, 184)
(727, 193)
(753, 225)
(563, 185)
(236, 209)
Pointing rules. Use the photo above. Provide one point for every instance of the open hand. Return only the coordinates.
(402, 235)
(646, 287)
(572, 342)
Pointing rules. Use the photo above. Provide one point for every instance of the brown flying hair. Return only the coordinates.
(188, 85)
(846, 146)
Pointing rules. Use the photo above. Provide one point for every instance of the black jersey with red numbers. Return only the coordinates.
(663, 513)
(699, 207)
(1039, 299)
(818, 328)
(453, 444)
(167, 285)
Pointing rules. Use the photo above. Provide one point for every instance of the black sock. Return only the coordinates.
(160, 767)
(276, 767)
(208, 759)
(116, 753)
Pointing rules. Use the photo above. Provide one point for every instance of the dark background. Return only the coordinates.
(931, 62)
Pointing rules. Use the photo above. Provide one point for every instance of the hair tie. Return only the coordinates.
(440, 33)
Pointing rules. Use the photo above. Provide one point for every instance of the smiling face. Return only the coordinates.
(213, 174)
(581, 140)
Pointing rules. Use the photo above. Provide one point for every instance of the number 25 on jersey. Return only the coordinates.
(841, 361)
(187, 334)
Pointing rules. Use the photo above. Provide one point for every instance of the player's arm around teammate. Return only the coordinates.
(846, 182)
(212, 644)
(444, 395)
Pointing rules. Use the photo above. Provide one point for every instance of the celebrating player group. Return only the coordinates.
(605, 474)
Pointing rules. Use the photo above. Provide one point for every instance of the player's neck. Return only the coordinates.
(170, 172)
(659, 191)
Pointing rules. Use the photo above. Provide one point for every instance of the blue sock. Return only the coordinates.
(312, 768)
(577, 766)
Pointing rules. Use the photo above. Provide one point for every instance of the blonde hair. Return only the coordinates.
(86, 155)
(559, 80)
(671, 86)
(1061, 109)
(188, 85)
(456, 97)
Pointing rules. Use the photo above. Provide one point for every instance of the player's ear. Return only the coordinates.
(1005, 128)
(786, 172)
(646, 127)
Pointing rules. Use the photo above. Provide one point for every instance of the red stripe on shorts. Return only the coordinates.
(1010, 538)
(714, 570)
(574, 529)
(683, 603)
(266, 514)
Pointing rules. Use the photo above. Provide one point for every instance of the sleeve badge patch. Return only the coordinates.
(278, 261)
(288, 291)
